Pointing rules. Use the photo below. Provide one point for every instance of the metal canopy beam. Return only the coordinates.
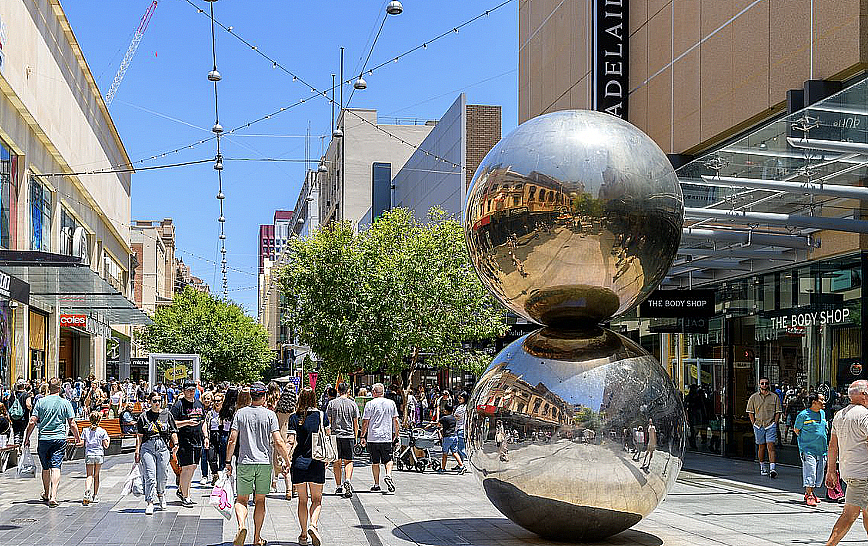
(829, 145)
(832, 190)
(747, 237)
(737, 253)
(792, 220)
(711, 263)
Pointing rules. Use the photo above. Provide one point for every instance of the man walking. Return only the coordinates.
(810, 428)
(849, 446)
(54, 417)
(379, 432)
(189, 416)
(764, 410)
(343, 414)
(254, 429)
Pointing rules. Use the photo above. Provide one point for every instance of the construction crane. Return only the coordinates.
(131, 51)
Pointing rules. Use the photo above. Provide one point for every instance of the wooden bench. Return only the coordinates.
(8, 456)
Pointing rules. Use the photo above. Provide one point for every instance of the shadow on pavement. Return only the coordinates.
(469, 531)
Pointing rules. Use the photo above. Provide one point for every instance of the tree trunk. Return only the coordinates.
(405, 383)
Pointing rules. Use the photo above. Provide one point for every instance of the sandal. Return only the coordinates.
(314, 535)
(239, 537)
(44, 497)
(262, 542)
(302, 540)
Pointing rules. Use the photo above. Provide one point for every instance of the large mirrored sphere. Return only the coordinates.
(573, 217)
(575, 436)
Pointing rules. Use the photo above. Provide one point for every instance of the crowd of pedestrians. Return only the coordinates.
(257, 434)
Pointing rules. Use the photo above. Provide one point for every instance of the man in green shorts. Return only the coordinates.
(254, 428)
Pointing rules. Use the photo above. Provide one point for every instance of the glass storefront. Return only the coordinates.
(801, 327)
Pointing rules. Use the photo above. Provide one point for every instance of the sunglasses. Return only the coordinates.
(156, 400)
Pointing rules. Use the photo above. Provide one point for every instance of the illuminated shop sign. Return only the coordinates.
(815, 318)
(610, 57)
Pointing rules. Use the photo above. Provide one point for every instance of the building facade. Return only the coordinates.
(185, 278)
(153, 245)
(67, 236)
(439, 173)
(360, 165)
(760, 105)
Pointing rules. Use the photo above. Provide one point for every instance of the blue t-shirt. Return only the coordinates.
(53, 414)
(813, 438)
(170, 395)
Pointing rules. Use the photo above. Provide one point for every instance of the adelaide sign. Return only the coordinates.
(678, 303)
(610, 57)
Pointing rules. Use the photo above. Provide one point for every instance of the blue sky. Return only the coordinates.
(166, 101)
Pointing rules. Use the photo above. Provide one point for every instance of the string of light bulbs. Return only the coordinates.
(214, 76)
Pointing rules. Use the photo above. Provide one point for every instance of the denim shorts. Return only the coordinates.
(450, 444)
(767, 435)
(813, 469)
(51, 453)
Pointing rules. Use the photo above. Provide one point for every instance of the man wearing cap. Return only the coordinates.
(189, 416)
(254, 429)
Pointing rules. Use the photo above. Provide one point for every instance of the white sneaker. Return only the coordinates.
(94, 500)
(149, 511)
(161, 501)
(204, 481)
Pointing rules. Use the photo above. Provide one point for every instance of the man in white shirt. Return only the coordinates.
(849, 446)
(379, 432)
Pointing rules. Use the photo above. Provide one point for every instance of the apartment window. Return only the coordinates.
(8, 185)
(381, 189)
(73, 237)
(113, 273)
(40, 215)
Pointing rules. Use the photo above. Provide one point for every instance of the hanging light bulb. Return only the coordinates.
(220, 195)
(214, 76)
(360, 83)
(218, 164)
(338, 133)
(394, 8)
(322, 168)
(222, 236)
(221, 219)
(217, 128)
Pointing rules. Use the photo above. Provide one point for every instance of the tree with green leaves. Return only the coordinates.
(232, 346)
(384, 297)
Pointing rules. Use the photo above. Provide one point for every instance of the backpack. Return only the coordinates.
(16, 412)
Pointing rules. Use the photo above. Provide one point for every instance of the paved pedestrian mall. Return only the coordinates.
(716, 502)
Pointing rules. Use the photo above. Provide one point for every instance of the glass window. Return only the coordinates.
(40, 216)
(8, 180)
(71, 235)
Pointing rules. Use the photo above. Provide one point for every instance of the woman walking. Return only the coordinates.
(218, 432)
(156, 428)
(116, 399)
(95, 441)
(207, 399)
(284, 408)
(308, 475)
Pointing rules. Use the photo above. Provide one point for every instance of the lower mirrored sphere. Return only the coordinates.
(575, 436)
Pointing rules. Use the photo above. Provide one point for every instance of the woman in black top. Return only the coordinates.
(308, 475)
(156, 428)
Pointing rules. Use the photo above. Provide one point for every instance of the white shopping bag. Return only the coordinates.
(223, 495)
(26, 466)
(134, 483)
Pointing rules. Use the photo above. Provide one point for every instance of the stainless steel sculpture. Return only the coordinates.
(576, 432)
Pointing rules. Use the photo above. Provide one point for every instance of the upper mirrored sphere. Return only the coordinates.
(573, 217)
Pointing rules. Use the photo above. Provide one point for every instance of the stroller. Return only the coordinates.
(414, 450)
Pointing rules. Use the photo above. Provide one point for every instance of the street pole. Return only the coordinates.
(332, 127)
(343, 138)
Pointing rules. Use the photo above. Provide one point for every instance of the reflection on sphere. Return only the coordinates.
(552, 433)
(573, 218)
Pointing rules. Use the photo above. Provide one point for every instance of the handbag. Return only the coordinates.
(324, 447)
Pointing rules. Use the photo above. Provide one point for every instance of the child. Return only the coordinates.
(449, 434)
(95, 440)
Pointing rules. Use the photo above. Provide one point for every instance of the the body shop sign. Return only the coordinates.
(610, 57)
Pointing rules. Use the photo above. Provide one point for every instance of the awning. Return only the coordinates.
(768, 199)
(66, 283)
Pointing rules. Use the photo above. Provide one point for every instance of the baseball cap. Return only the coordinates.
(258, 388)
(189, 385)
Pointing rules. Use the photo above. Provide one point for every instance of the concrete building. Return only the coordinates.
(184, 278)
(762, 106)
(153, 245)
(65, 237)
(369, 154)
(462, 137)
(273, 236)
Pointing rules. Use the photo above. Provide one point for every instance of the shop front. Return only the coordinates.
(800, 326)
